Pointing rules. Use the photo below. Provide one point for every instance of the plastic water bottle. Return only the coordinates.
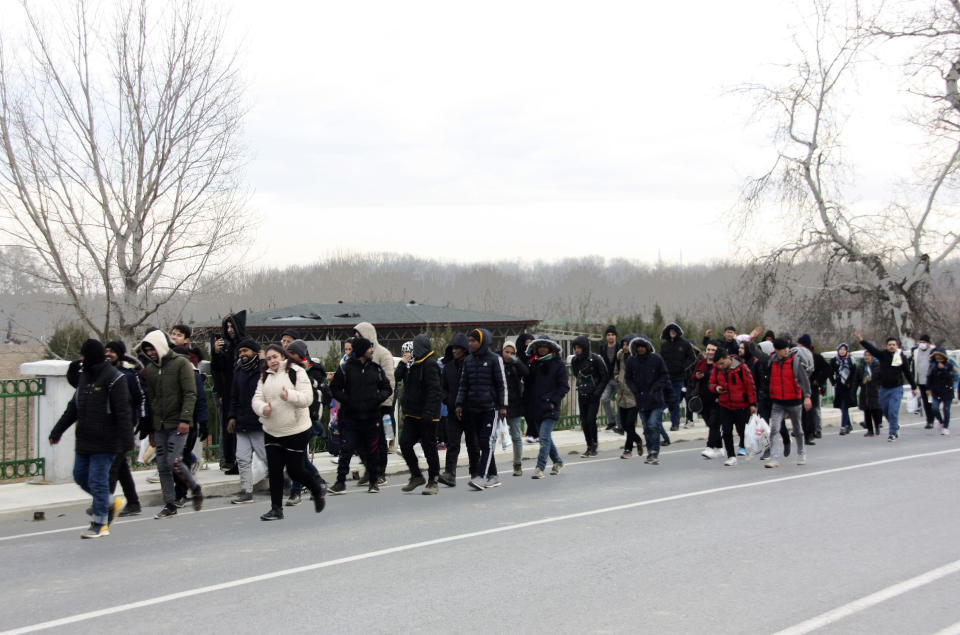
(388, 427)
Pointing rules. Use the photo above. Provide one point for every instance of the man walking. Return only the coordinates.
(421, 400)
(590, 373)
(453, 360)
(481, 397)
(789, 390)
(610, 388)
(223, 361)
(242, 421)
(680, 359)
(647, 378)
(920, 354)
(116, 356)
(894, 371)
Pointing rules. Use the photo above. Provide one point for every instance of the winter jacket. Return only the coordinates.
(360, 388)
(290, 416)
(244, 387)
(223, 363)
(139, 408)
(848, 387)
(868, 386)
(605, 356)
(101, 409)
(381, 357)
(789, 384)
(820, 375)
(921, 364)
(646, 376)
(171, 385)
(589, 370)
(483, 383)
(516, 371)
(941, 381)
(891, 376)
(452, 369)
(625, 398)
(759, 365)
(734, 386)
(422, 393)
(677, 353)
(547, 384)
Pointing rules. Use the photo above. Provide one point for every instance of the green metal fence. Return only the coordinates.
(19, 446)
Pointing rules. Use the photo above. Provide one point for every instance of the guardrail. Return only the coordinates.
(18, 428)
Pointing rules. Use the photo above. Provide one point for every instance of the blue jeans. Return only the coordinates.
(652, 426)
(92, 473)
(841, 400)
(674, 397)
(890, 399)
(944, 416)
(547, 446)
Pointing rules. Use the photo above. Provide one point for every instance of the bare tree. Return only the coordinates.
(894, 249)
(120, 153)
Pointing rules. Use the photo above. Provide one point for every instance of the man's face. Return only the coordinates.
(611, 339)
(782, 353)
(246, 355)
(473, 344)
(711, 351)
(729, 334)
(178, 338)
(892, 346)
(230, 330)
(672, 333)
(867, 357)
(285, 340)
(459, 352)
(151, 353)
(508, 353)
(112, 357)
(578, 349)
(723, 363)
(347, 348)
(543, 351)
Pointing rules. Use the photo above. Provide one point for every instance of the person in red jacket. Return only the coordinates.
(732, 382)
(789, 392)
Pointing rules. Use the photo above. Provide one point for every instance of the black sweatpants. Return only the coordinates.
(482, 422)
(288, 452)
(120, 472)
(457, 428)
(425, 433)
(873, 420)
(588, 418)
(724, 421)
(628, 419)
(364, 439)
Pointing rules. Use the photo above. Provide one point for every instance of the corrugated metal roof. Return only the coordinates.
(393, 313)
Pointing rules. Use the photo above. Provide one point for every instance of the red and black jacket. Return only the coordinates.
(739, 391)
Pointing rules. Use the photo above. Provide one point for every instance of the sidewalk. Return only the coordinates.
(25, 498)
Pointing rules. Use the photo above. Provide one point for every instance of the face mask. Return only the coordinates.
(922, 346)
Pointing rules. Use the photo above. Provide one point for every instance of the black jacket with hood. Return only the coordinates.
(589, 369)
(223, 363)
(516, 371)
(547, 383)
(677, 353)
(452, 369)
(241, 396)
(483, 383)
(647, 375)
(101, 409)
(422, 392)
(360, 387)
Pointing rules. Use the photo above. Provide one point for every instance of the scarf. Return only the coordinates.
(248, 366)
(867, 372)
(897, 359)
(545, 358)
(845, 368)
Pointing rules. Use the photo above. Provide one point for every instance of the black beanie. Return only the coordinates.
(295, 334)
(610, 329)
(249, 342)
(93, 352)
(117, 347)
(360, 346)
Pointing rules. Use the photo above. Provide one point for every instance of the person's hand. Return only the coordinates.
(753, 410)
(807, 404)
(153, 440)
(405, 357)
(267, 409)
(698, 374)
(54, 441)
(284, 394)
(218, 344)
(183, 428)
(708, 332)
(553, 406)
(929, 394)
(459, 412)
(858, 335)
(503, 413)
(721, 390)
(231, 425)
(755, 332)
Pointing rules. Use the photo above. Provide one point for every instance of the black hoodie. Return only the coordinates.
(646, 375)
(223, 363)
(359, 387)
(452, 369)
(483, 383)
(589, 369)
(677, 353)
(422, 392)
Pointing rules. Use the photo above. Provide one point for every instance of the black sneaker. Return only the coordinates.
(665, 442)
(320, 498)
(167, 511)
(242, 498)
(273, 514)
(180, 502)
(929, 426)
(132, 509)
(197, 498)
(294, 500)
(364, 480)
(232, 470)
(382, 480)
(373, 488)
(338, 488)
(448, 479)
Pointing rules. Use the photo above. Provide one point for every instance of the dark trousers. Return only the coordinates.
(811, 418)
(188, 459)
(628, 419)
(927, 409)
(589, 406)
(362, 438)
(873, 419)
(482, 422)
(722, 425)
(287, 452)
(296, 486)
(457, 428)
(120, 472)
(425, 433)
(228, 440)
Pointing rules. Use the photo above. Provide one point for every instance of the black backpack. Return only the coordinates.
(315, 405)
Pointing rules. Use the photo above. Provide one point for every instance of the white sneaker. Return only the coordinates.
(772, 463)
(731, 461)
(802, 459)
(713, 453)
(945, 432)
(707, 453)
(154, 478)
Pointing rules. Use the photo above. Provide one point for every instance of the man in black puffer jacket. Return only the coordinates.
(101, 409)
(421, 413)
(590, 372)
(647, 378)
(482, 396)
(680, 359)
(453, 361)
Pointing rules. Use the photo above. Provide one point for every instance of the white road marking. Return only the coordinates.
(953, 629)
(868, 601)
(82, 617)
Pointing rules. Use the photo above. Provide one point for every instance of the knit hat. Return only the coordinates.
(93, 352)
(298, 348)
(804, 340)
(360, 346)
(249, 342)
(295, 334)
(769, 334)
(117, 347)
(925, 338)
(610, 329)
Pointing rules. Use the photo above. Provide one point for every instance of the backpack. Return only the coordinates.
(586, 378)
(315, 405)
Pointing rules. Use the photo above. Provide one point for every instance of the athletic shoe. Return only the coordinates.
(517, 469)
(181, 502)
(588, 453)
(626, 455)
(195, 467)
(233, 471)
(844, 431)
(665, 442)
(869, 434)
(674, 428)
(373, 488)
(556, 469)
(537, 473)
(655, 459)
(766, 455)
(731, 461)
(890, 437)
(114, 508)
(167, 511)
(338, 488)
(132, 509)
(741, 452)
(448, 479)
(294, 500)
(802, 459)
(432, 488)
(610, 426)
(618, 430)
(197, 498)
(707, 453)
(154, 478)
(382, 480)
(319, 502)
(492, 481)
(530, 440)
(929, 426)
(364, 480)
(818, 434)
(273, 514)
(648, 458)
(773, 463)
(476, 483)
(413, 483)
(96, 530)
(242, 498)
(945, 432)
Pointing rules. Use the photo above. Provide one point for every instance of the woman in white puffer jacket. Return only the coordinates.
(283, 406)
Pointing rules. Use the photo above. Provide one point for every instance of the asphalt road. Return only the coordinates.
(861, 539)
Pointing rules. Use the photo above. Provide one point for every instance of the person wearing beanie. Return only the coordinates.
(297, 349)
(120, 470)
(360, 386)
(289, 335)
(101, 409)
(481, 397)
(608, 396)
(921, 356)
(242, 420)
(894, 369)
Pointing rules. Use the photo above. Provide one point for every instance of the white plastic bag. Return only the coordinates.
(756, 436)
(258, 468)
(913, 404)
(503, 434)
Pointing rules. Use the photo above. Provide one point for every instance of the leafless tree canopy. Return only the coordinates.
(120, 157)
(895, 248)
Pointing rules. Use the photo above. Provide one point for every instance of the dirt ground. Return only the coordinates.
(12, 355)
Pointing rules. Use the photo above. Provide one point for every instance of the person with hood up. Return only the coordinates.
(116, 356)
(523, 341)
(360, 387)
(223, 360)
(609, 356)
(282, 401)
(101, 409)
(940, 383)
(481, 398)
(421, 400)
(517, 373)
(172, 394)
(382, 358)
(453, 361)
(678, 355)
(626, 402)
(868, 372)
(843, 377)
(732, 382)
(198, 428)
(547, 385)
(894, 370)
(647, 379)
(590, 372)
(921, 364)
(242, 420)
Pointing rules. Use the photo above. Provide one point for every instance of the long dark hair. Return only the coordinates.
(283, 352)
